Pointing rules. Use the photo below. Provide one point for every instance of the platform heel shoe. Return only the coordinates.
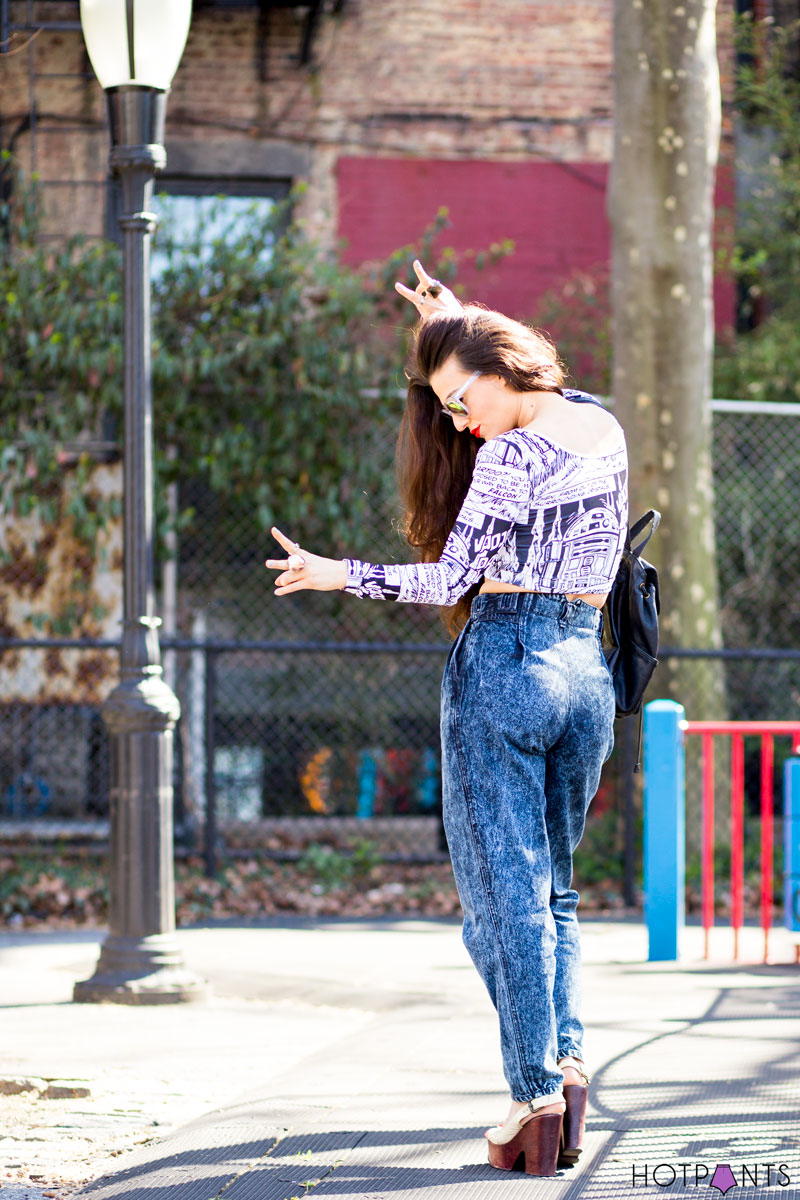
(532, 1147)
(575, 1097)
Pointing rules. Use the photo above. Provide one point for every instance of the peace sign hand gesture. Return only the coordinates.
(302, 571)
(430, 296)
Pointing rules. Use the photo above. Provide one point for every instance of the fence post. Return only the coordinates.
(791, 844)
(366, 785)
(664, 820)
(210, 774)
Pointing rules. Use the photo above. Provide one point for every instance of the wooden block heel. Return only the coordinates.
(534, 1150)
(573, 1126)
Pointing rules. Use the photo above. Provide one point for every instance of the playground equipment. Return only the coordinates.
(665, 731)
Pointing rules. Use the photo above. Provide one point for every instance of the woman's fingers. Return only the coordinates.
(284, 580)
(407, 293)
(288, 582)
(416, 299)
(425, 281)
(430, 295)
(291, 585)
(286, 542)
(422, 275)
(306, 571)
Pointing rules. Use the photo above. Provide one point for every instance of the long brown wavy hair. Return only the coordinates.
(434, 460)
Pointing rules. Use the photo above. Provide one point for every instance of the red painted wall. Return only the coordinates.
(554, 212)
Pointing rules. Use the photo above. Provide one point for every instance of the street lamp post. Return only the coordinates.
(135, 47)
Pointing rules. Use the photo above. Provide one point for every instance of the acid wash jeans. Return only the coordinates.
(527, 723)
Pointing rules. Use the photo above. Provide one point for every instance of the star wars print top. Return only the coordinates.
(536, 515)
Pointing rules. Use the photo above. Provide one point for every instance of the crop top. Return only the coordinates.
(536, 515)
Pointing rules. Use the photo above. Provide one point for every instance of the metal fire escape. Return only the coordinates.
(25, 29)
(23, 36)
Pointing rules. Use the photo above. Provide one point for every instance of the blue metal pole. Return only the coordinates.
(664, 825)
(367, 785)
(791, 844)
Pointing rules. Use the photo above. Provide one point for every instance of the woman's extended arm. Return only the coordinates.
(498, 497)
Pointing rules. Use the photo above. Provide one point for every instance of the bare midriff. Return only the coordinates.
(598, 599)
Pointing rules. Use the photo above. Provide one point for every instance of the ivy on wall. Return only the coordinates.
(760, 362)
(273, 372)
(60, 363)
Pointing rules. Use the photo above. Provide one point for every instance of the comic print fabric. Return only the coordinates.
(536, 515)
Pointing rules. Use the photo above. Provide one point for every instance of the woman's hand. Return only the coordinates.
(430, 296)
(302, 570)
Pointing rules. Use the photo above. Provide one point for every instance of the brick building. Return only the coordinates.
(387, 109)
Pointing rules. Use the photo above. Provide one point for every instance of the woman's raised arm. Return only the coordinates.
(430, 296)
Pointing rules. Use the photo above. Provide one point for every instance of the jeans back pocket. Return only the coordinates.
(455, 654)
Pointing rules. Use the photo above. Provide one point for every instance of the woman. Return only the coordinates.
(522, 536)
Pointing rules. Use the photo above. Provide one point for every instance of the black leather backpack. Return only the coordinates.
(630, 621)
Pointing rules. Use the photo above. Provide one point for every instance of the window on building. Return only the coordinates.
(194, 210)
(198, 212)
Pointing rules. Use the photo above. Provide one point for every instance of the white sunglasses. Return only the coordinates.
(454, 405)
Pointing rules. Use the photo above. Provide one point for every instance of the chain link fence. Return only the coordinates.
(315, 716)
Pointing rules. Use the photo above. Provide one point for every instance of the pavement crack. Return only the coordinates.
(325, 1175)
(306, 1186)
(247, 1168)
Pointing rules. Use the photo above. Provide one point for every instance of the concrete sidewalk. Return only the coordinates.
(360, 1059)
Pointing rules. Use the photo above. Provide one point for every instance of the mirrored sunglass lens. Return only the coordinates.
(456, 406)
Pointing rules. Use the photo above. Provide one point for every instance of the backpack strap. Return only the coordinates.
(578, 397)
(653, 515)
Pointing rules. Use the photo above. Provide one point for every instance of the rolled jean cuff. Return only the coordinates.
(540, 1101)
(567, 1053)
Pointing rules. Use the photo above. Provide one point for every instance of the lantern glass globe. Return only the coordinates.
(135, 42)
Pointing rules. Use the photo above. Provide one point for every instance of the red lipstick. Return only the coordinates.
(476, 432)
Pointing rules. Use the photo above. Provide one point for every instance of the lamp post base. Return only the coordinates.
(147, 970)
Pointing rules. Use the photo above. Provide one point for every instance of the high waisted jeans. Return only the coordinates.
(527, 723)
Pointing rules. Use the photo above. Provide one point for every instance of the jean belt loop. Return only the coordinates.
(508, 602)
(479, 606)
(562, 616)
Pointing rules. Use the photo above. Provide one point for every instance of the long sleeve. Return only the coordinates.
(498, 497)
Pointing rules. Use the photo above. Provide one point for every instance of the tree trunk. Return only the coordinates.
(666, 138)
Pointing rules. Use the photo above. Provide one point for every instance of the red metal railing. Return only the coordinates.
(737, 731)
